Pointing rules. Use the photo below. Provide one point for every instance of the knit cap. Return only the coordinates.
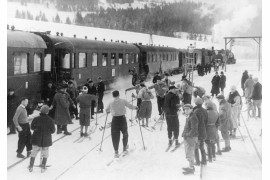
(44, 109)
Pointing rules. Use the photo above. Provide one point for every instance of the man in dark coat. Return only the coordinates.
(48, 93)
(190, 135)
(202, 116)
(92, 90)
(222, 82)
(72, 91)
(100, 91)
(62, 102)
(215, 85)
(243, 80)
(257, 96)
(171, 106)
(43, 127)
(12, 104)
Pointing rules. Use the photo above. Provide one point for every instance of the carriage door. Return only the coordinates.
(143, 62)
(180, 58)
(62, 64)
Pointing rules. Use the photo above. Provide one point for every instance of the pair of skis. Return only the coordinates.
(82, 138)
(121, 155)
(174, 149)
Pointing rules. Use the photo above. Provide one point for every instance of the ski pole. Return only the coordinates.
(103, 133)
(141, 134)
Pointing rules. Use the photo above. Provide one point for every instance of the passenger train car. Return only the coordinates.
(34, 58)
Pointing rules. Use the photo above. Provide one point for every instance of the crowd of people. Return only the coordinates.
(203, 120)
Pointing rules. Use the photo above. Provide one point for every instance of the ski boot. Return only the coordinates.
(189, 170)
(116, 154)
(43, 165)
(30, 167)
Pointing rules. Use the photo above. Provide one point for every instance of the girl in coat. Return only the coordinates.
(43, 127)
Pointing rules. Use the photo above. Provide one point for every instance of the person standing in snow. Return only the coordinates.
(225, 118)
(85, 103)
(257, 97)
(171, 106)
(235, 101)
(243, 80)
(190, 135)
(146, 106)
(249, 87)
(12, 104)
(222, 82)
(117, 108)
(215, 85)
(100, 92)
(43, 127)
(187, 89)
(21, 123)
(202, 116)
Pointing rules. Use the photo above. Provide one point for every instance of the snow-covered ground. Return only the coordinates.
(73, 160)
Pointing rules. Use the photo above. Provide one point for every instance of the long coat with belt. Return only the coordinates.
(224, 115)
(249, 87)
(43, 127)
(215, 85)
(212, 123)
(61, 102)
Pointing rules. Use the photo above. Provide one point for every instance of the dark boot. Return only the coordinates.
(170, 142)
(188, 171)
(197, 157)
(32, 161)
(67, 133)
(203, 157)
(259, 112)
(43, 164)
(28, 153)
(59, 129)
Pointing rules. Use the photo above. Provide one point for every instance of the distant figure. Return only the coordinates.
(21, 122)
(12, 104)
(249, 87)
(215, 85)
(92, 90)
(146, 70)
(222, 82)
(43, 127)
(100, 91)
(243, 80)
(134, 77)
(187, 89)
(156, 77)
(166, 80)
(257, 96)
(117, 108)
(72, 91)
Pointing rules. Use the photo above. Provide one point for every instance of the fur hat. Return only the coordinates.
(198, 101)
(45, 109)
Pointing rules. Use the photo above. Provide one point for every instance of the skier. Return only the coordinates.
(215, 85)
(202, 116)
(257, 97)
(119, 123)
(43, 127)
(171, 106)
(190, 135)
(225, 118)
(235, 101)
(222, 82)
(146, 106)
(21, 123)
(243, 80)
(211, 131)
(85, 102)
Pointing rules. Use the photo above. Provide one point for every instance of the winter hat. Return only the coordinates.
(187, 106)
(198, 101)
(220, 96)
(44, 109)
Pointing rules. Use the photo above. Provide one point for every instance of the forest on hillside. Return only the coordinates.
(164, 19)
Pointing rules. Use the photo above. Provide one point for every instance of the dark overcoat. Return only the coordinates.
(12, 104)
(61, 102)
(43, 127)
(212, 122)
(243, 79)
(202, 116)
(215, 85)
(222, 81)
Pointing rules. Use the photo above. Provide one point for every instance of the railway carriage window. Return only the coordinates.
(20, 63)
(148, 58)
(47, 62)
(94, 59)
(65, 63)
(120, 59)
(167, 57)
(136, 58)
(113, 56)
(132, 58)
(37, 62)
(104, 59)
(127, 58)
(82, 60)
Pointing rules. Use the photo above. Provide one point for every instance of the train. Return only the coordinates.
(34, 58)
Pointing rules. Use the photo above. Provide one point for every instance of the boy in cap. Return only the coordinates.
(117, 108)
(225, 118)
(202, 116)
(171, 106)
(85, 103)
(21, 123)
(190, 135)
(43, 127)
